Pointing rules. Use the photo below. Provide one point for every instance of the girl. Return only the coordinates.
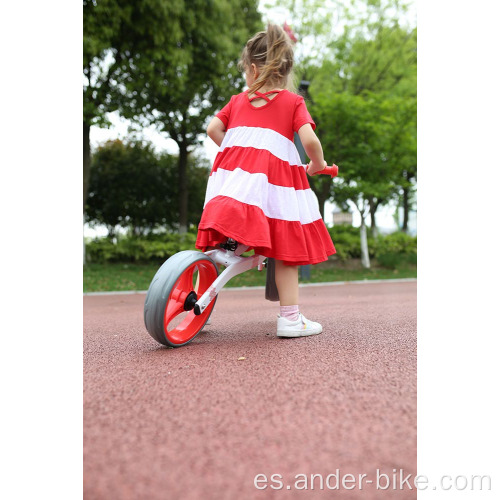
(258, 192)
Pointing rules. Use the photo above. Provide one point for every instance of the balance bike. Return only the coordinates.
(175, 310)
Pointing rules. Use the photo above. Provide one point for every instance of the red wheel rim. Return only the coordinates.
(191, 324)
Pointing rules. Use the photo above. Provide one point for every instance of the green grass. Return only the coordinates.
(121, 277)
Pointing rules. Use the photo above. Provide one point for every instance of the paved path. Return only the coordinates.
(196, 423)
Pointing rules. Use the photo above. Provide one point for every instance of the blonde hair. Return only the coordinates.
(272, 52)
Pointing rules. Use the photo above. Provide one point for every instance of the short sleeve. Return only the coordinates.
(225, 112)
(301, 116)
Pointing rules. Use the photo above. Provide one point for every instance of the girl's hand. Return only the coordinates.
(313, 168)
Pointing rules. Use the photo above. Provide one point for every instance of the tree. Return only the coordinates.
(117, 34)
(133, 187)
(357, 49)
(401, 120)
(385, 63)
(349, 129)
(373, 139)
(314, 23)
(180, 94)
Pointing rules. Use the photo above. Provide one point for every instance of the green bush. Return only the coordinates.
(390, 250)
(394, 260)
(396, 249)
(347, 241)
(399, 242)
(134, 249)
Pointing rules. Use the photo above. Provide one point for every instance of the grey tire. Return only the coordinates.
(159, 293)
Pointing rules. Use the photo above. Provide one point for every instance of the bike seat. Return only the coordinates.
(230, 245)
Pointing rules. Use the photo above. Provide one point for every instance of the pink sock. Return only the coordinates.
(290, 312)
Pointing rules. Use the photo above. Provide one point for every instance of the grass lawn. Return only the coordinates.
(121, 277)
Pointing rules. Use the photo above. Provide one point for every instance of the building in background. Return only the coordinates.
(342, 217)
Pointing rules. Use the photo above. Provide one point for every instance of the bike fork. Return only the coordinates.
(235, 264)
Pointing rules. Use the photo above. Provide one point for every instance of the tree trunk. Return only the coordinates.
(322, 202)
(323, 195)
(373, 223)
(406, 208)
(183, 188)
(86, 162)
(83, 242)
(396, 216)
(86, 173)
(365, 258)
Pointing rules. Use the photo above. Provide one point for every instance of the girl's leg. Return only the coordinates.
(291, 323)
(287, 282)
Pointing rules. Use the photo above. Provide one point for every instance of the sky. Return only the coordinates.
(119, 130)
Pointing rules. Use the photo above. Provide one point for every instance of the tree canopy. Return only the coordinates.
(174, 64)
(367, 94)
(359, 59)
(134, 187)
(117, 34)
(163, 63)
(179, 94)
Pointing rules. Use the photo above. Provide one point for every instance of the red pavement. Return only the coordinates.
(196, 423)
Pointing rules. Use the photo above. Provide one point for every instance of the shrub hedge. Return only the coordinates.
(134, 249)
(389, 250)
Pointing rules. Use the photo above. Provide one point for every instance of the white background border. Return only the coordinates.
(458, 296)
(458, 299)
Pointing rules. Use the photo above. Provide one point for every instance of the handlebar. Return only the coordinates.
(333, 171)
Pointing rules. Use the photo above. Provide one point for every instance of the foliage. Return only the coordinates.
(327, 30)
(380, 59)
(153, 247)
(395, 250)
(372, 138)
(347, 241)
(385, 248)
(397, 242)
(163, 62)
(365, 106)
(314, 23)
(179, 94)
(360, 58)
(137, 276)
(134, 187)
(116, 35)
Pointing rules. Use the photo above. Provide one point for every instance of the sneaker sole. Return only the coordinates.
(299, 333)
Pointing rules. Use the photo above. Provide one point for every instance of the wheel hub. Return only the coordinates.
(190, 301)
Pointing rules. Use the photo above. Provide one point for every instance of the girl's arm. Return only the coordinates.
(313, 149)
(216, 130)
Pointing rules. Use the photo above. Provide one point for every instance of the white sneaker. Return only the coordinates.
(300, 328)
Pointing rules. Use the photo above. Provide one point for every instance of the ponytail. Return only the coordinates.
(271, 51)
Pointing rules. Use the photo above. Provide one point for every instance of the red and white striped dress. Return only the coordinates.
(258, 192)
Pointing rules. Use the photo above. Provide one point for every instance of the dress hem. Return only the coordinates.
(265, 250)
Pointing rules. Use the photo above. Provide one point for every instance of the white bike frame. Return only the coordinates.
(235, 264)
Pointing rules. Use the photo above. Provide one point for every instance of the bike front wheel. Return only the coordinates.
(168, 310)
